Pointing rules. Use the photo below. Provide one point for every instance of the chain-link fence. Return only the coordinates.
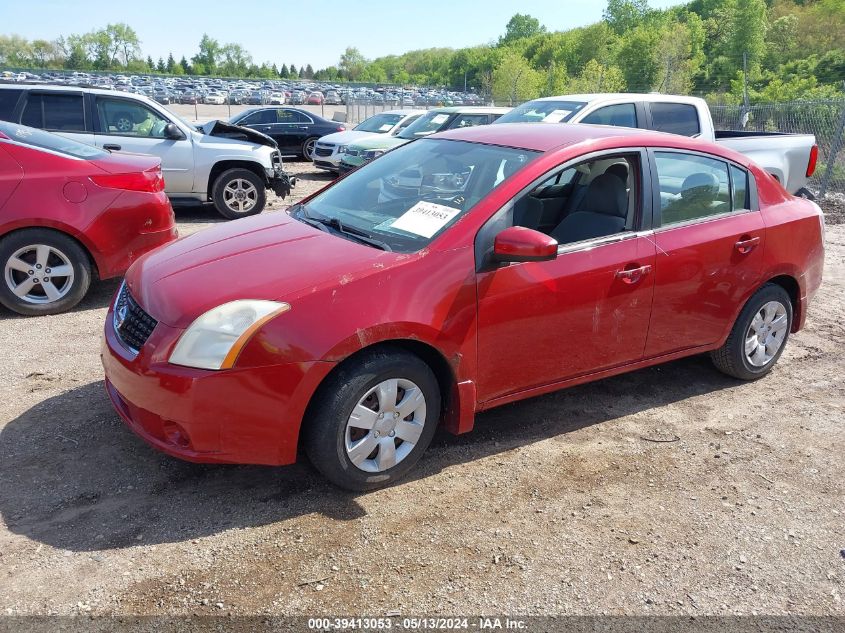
(824, 119)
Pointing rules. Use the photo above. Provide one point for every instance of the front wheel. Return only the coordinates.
(44, 272)
(238, 193)
(759, 335)
(373, 419)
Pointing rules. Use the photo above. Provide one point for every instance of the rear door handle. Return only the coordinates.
(632, 273)
(746, 244)
(112, 147)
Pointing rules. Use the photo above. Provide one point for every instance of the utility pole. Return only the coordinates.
(746, 106)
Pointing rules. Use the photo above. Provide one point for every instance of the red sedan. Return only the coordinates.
(69, 211)
(457, 273)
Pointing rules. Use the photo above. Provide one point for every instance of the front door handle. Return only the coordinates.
(112, 147)
(746, 244)
(632, 273)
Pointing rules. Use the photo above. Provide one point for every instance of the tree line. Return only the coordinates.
(762, 50)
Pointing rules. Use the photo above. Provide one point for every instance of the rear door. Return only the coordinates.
(709, 235)
(126, 125)
(59, 112)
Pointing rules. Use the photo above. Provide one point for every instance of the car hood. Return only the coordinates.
(237, 132)
(382, 141)
(345, 138)
(269, 257)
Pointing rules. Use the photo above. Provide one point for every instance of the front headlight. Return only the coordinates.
(214, 340)
(372, 154)
(341, 149)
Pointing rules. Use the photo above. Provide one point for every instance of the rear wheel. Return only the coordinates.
(308, 148)
(238, 193)
(759, 335)
(44, 272)
(373, 419)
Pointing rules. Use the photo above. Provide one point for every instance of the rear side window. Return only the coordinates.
(675, 118)
(58, 112)
(620, 115)
(692, 187)
(469, 120)
(739, 188)
(8, 101)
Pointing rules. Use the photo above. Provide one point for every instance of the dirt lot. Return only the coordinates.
(568, 503)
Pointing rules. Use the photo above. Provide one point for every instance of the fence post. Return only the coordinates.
(834, 150)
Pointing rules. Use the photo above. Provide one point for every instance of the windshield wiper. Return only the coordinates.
(356, 234)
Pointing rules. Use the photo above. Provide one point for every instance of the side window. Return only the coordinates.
(468, 120)
(8, 101)
(593, 199)
(691, 187)
(407, 122)
(620, 115)
(739, 189)
(33, 112)
(63, 112)
(259, 118)
(291, 116)
(125, 118)
(676, 118)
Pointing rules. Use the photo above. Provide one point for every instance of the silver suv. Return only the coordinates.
(230, 165)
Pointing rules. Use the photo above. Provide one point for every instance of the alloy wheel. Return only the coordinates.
(240, 195)
(39, 274)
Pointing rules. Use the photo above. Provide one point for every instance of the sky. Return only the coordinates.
(300, 32)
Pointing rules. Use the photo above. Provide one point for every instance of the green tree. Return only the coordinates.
(124, 43)
(150, 63)
(309, 72)
(521, 26)
(284, 73)
(352, 63)
(624, 15)
(637, 60)
(293, 72)
(598, 78)
(186, 67)
(515, 81)
(208, 55)
(171, 63)
(748, 34)
(161, 67)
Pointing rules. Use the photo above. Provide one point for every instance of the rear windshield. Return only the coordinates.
(45, 140)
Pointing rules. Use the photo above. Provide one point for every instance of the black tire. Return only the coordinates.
(123, 122)
(803, 192)
(324, 433)
(72, 289)
(309, 142)
(232, 176)
(731, 358)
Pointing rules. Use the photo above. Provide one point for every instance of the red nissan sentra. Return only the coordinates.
(460, 272)
(69, 211)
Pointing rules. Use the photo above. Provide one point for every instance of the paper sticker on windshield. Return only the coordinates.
(439, 118)
(386, 127)
(425, 218)
(556, 116)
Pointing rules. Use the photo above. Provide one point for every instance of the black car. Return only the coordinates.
(295, 130)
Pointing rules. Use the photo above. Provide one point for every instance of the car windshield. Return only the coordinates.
(427, 124)
(45, 140)
(406, 198)
(542, 112)
(379, 123)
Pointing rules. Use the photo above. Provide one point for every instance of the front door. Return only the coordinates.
(710, 244)
(587, 310)
(130, 126)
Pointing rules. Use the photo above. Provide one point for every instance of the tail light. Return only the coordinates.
(150, 181)
(814, 158)
(340, 128)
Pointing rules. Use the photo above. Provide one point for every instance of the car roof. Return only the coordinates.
(630, 96)
(471, 110)
(543, 137)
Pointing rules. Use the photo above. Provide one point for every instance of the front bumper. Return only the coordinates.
(239, 416)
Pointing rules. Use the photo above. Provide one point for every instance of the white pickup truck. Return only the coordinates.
(791, 158)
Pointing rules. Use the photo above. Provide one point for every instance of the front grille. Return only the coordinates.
(323, 151)
(132, 325)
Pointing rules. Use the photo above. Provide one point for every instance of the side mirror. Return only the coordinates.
(519, 244)
(172, 132)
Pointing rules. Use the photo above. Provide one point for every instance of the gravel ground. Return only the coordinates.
(671, 490)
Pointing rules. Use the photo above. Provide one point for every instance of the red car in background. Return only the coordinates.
(69, 211)
(460, 272)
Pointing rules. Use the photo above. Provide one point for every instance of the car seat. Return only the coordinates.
(601, 212)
